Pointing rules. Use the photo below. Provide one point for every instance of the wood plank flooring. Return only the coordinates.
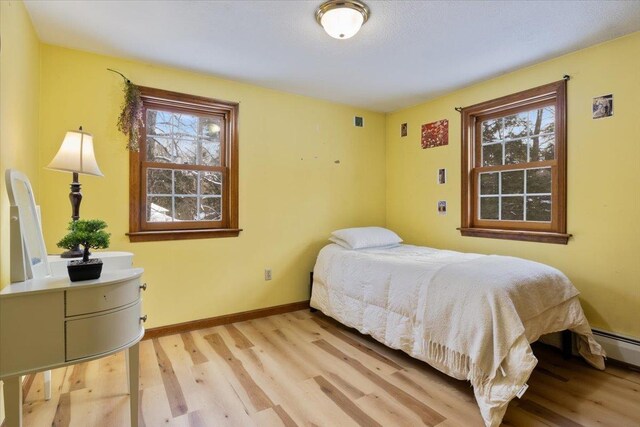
(303, 369)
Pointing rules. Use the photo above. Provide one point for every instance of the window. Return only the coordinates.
(184, 179)
(514, 166)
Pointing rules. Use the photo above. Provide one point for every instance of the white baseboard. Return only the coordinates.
(619, 347)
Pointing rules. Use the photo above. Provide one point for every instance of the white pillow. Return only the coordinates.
(365, 237)
(345, 245)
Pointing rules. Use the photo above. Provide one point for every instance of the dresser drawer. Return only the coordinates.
(90, 336)
(100, 298)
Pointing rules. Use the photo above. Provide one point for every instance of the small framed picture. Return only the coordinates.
(603, 106)
(442, 207)
(403, 130)
(442, 176)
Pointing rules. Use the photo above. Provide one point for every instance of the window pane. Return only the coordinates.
(211, 209)
(513, 208)
(210, 128)
(513, 182)
(515, 152)
(186, 208)
(539, 180)
(159, 209)
(542, 148)
(160, 149)
(158, 123)
(492, 130)
(516, 126)
(542, 120)
(210, 153)
(489, 183)
(489, 207)
(186, 182)
(211, 183)
(539, 208)
(184, 125)
(159, 181)
(492, 155)
(185, 151)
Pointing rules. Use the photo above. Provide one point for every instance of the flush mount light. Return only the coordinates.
(342, 19)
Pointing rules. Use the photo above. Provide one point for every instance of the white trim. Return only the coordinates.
(619, 347)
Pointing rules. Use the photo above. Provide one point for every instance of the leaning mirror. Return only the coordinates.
(28, 252)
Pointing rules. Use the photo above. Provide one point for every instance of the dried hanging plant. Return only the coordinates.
(130, 120)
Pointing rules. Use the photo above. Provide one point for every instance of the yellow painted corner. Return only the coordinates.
(603, 257)
(19, 86)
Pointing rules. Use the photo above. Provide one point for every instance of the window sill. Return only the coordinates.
(209, 233)
(528, 236)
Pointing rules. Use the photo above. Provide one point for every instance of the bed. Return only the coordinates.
(470, 316)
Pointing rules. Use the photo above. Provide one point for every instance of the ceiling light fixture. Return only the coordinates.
(342, 19)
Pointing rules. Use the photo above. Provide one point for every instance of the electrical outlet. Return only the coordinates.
(267, 274)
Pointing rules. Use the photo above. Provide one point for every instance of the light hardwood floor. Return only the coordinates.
(304, 369)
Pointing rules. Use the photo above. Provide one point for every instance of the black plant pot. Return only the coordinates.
(79, 270)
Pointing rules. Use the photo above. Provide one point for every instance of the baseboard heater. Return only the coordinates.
(619, 347)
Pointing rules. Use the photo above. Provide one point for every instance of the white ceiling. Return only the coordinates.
(408, 51)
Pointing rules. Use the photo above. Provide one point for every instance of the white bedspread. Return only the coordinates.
(470, 316)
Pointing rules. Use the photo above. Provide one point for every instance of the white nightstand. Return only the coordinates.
(50, 322)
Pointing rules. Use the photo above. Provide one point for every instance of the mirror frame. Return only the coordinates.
(21, 266)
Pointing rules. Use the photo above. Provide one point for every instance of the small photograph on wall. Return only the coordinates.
(435, 134)
(442, 207)
(403, 130)
(442, 176)
(603, 106)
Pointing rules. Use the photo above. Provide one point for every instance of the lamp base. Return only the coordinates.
(72, 253)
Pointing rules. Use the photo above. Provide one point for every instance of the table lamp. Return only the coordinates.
(76, 156)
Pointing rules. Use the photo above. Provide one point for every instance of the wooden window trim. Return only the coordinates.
(139, 230)
(150, 236)
(554, 232)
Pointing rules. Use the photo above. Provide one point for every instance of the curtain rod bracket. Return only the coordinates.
(458, 109)
(566, 77)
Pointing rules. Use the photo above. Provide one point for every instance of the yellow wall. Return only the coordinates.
(603, 257)
(292, 191)
(19, 90)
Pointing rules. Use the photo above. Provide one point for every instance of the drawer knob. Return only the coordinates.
(144, 318)
(143, 287)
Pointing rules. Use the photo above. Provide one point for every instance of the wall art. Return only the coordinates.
(435, 134)
(442, 207)
(603, 106)
(442, 176)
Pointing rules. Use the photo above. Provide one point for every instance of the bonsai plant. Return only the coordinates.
(90, 234)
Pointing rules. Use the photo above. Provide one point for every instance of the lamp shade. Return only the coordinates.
(76, 154)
